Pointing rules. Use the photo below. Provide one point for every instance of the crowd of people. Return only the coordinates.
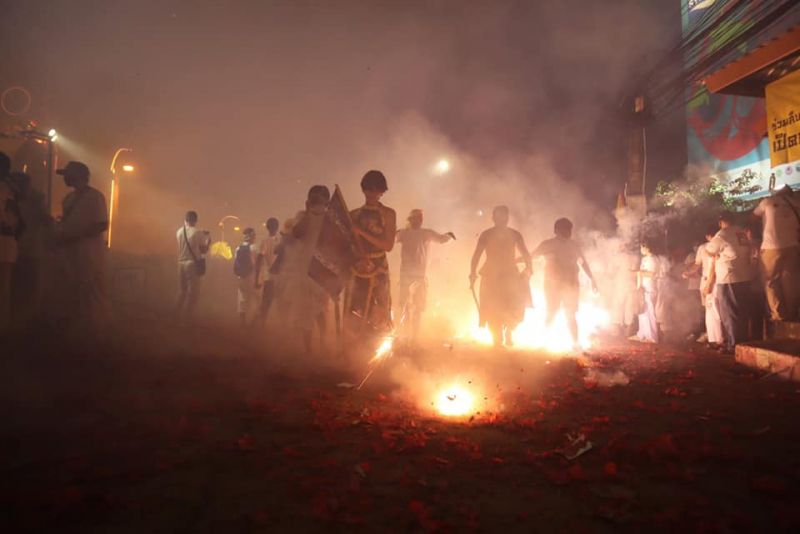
(63, 258)
(736, 279)
(276, 274)
(743, 271)
(273, 277)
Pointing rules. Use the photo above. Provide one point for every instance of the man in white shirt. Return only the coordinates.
(84, 221)
(622, 292)
(780, 253)
(561, 284)
(732, 274)
(414, 247)
(704, 264)
(192, 246)
(8, 241)
(267, 253)
(244, 267)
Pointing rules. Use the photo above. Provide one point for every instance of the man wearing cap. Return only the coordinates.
(80, 231)
(414, 244)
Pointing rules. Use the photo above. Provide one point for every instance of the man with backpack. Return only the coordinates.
(244, 267)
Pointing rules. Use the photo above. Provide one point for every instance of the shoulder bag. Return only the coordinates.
(199, 263)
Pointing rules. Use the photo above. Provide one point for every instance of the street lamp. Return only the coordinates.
(222, 225)
(114, 203)
(442, 166)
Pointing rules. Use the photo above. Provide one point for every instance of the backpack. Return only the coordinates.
(243, 261)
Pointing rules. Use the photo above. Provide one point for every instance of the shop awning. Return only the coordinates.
(749, 75)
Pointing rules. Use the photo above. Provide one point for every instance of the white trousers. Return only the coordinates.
(713, 321)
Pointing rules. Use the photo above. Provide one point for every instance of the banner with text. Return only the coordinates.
(783, 119)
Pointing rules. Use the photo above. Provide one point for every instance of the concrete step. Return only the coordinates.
(778, 356)
(783, 330)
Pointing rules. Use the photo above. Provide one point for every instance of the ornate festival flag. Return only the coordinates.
(335, 252)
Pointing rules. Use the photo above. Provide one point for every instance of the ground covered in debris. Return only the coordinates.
(207, 432)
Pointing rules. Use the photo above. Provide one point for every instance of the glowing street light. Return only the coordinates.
(221, 224)
(442, 166)
(127, 168)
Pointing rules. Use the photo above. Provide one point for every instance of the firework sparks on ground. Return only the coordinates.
(383, 349)
(454, 401)
(534, 333)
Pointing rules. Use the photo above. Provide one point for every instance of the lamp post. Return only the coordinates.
(222, 225)
(114, 203)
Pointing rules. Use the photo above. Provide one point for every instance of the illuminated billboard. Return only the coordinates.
(726, 133)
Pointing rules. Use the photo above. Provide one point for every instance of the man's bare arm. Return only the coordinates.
(259, 264)
(476, 257)
(712, 277)
(523, 250)
(442, 238)
(588, 271)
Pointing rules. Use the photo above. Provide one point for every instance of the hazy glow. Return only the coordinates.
(454, 401)
(442, 166)
(534, 333)
(221, 249)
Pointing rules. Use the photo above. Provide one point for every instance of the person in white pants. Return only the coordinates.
(245, 259)
(708, 291)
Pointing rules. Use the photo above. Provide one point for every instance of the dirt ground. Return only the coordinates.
(218, 431)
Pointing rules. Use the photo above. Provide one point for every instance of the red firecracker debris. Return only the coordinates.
(769, 484)
(245, 442)
(610, 469)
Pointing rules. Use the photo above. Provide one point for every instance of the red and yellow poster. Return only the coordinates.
(783, 119)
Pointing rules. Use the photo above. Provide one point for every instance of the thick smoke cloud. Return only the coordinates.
(239, 107)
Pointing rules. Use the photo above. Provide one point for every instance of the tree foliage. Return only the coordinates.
(712, 195)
